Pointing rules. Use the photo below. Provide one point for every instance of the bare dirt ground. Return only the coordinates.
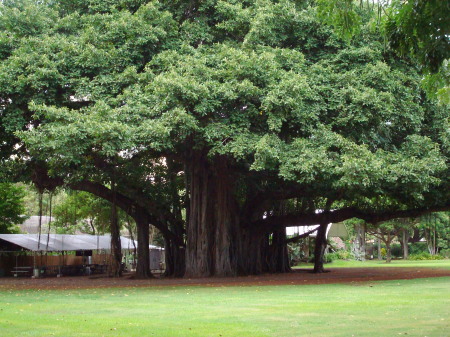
(297, 277)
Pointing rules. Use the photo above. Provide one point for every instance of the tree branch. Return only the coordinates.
(307, 219)
(126, 204)
(301, 236)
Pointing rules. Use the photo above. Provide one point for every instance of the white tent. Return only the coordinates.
(64, 242)
(333, 230)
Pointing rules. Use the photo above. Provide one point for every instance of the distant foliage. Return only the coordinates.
(425, 256)
(11, 207)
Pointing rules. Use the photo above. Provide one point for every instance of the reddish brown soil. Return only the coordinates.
(298, 277)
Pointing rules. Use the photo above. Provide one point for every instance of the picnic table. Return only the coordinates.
(22, 271)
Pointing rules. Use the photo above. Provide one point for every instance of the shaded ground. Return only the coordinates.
(298, 277)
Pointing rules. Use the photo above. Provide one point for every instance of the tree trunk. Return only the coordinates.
(174, 259)
(116, 249)
(226, 222)
(252, 252)
(213, 220)
(388, 252)
(143, 252)
(115, 267)
(278, 258)
(359, 249)
(379, 249)
(319, 250)
(200, 226)
(405, 239)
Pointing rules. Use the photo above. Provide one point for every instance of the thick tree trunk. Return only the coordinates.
(278, 258)
(252, 252)
(200, 226)
(213, 220)
(174, 258)
(319, 250)
(143, 252)
(226, 222)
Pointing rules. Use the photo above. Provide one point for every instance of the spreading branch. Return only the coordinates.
(308, 219)
(301, 236)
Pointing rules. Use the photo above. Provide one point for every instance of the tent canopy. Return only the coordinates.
(65, 242)
(333, 230)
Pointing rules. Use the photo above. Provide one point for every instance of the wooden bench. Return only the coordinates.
(22, 271)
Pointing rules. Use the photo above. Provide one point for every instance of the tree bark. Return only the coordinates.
(115, 269)
(388, 252)
(213, 233)
(252, 252)
(319, 250)
(174, 259)
(143, 251)
(116, 249)
(200, 226)
(405, 239)
(360, 242)
(279, 258)
(379, 249)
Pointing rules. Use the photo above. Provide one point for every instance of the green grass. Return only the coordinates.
(390, 308)
(441, 264)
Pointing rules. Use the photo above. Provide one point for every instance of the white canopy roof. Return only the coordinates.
(333, 230)
(65, 242)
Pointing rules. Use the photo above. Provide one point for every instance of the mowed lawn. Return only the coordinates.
(419, 307)
(441, 264)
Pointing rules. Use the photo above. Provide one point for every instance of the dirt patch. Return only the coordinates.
(297, 277)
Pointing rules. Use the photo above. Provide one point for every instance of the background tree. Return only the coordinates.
(435, 228)
(12, 208)
(84, 212)
(387, 232)
(413, 29)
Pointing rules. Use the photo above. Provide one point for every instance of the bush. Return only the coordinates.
(396, 250)
(338, 255)
(445, 253)
(425, 256)
(417, 248)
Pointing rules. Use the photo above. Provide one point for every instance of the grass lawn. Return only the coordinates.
(441, 264)
(418, 307)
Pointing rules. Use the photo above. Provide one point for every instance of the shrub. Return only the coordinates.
(417, 248)
(396, 250)
(338, 255)
(445, 253)
(425, 256)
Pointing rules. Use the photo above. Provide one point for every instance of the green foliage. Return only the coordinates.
(342, 15)
(445, 253)
(11, 207)
(422, 29)
(338, 255)
(83, 212)
(435, 228)
(417, 248)
(417, 29)
(424, 256)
